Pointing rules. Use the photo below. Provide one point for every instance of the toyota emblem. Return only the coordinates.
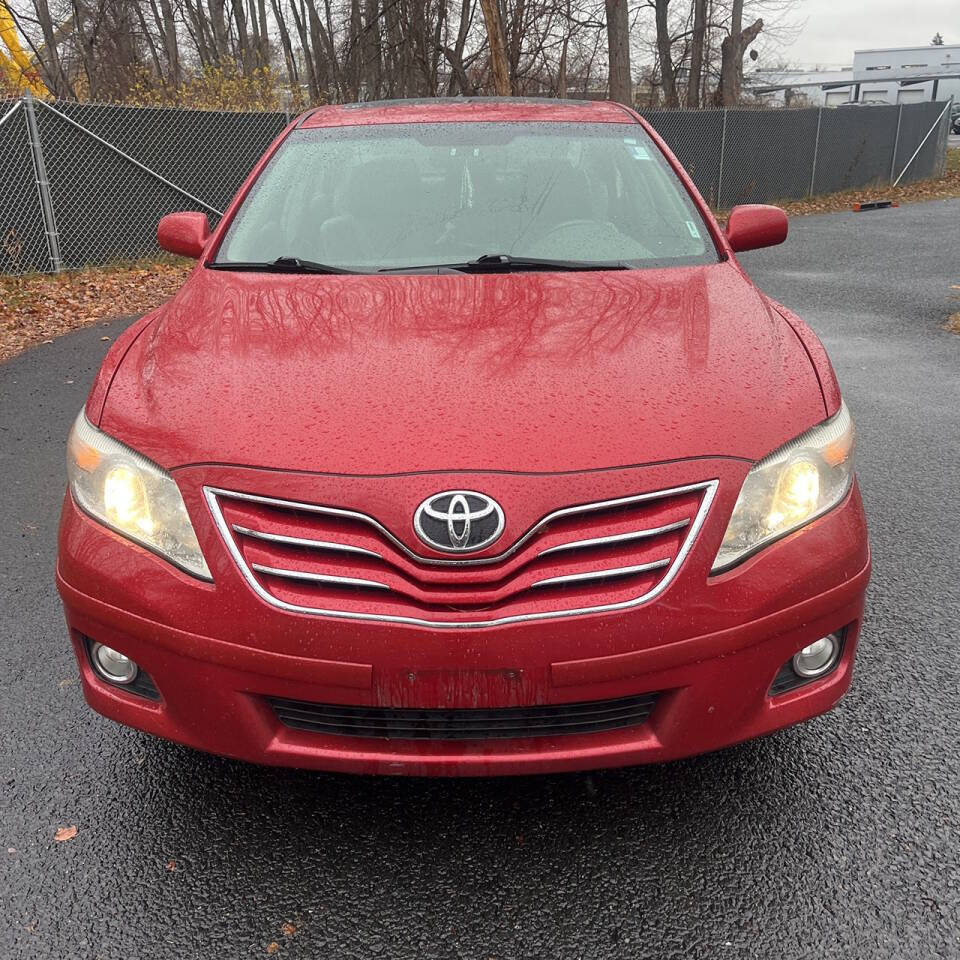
(458, 521)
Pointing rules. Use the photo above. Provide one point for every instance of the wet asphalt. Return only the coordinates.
(840, 838)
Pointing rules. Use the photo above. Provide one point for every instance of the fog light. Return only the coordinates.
(817, 658)
(112, 665)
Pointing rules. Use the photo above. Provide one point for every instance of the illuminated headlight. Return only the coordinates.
(787, 489)
(133, 496)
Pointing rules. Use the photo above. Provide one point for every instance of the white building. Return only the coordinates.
(811, 87)
(908, 74)
(894, 75)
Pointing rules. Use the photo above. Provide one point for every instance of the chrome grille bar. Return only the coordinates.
(319, 577)
(591, 575)
(305, 542)
(614, 538)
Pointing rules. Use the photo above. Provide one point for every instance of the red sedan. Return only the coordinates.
(467, 448)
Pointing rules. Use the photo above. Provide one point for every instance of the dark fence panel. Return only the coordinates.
(856, 147)
(23, 243)
(107, 208)
(915, 123)
(696, 138)
(768, 156)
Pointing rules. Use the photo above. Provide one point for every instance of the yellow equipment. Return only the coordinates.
(17, 67)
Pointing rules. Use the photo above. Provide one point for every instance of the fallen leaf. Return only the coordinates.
(172, 865)
(289, 929)
(65, 833)
(273, 947)
(40, 307)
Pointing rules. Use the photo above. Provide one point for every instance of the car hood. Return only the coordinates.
(535, 372)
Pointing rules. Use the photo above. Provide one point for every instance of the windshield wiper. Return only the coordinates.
(280, 265)
(507, 263)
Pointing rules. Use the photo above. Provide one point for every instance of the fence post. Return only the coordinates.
(43, 185)
(947, 126)
(723, 147)
(816, 152)
(896, 143)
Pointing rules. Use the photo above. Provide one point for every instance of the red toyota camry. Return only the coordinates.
(467, 448)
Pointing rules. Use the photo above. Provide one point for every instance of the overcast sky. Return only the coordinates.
(835, 28)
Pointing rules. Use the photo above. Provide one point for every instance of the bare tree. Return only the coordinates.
(618, 51)
(316, 51)
(498, 50)
(732, 49)
(665, 53)
(697, 37)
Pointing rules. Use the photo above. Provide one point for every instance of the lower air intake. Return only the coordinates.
(388, 723)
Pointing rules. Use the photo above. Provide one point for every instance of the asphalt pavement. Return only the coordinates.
(839, 838)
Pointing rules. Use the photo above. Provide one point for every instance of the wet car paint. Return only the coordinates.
(545, 390)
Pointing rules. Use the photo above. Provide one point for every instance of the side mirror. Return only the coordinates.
(184, 233)
(754, 225)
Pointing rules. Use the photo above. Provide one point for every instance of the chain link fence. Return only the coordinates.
(768, 156)
(111, 172)
(87, 183)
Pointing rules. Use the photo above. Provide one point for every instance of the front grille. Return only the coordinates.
(326, 560)
(385, 723)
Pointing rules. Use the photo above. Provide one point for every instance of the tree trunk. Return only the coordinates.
(618, 51)
(199, 29)
(498, 48)
(264, 48)
(696, 53)
(309, 62)
(85, 42)
(245, 49)
(218, 26)
(288, 55)
(665, 54)
(454, 54)
(154, 56)
(373, 62)
(731, 56)
(49, 57)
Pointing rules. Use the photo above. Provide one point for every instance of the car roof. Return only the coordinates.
(459, 109)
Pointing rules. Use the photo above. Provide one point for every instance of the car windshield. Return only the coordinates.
(396, 196)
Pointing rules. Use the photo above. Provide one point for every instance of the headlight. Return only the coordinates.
(789, 488)
(133, 496)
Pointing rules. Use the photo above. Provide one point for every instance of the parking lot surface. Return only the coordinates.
(840, 838)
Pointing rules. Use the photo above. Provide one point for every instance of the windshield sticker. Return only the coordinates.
(694, 232)
(636, 151)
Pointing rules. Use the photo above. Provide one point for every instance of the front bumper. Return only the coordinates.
(710, 646)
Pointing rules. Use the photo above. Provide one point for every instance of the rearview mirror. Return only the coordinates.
(184, 233)
(754, 225)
